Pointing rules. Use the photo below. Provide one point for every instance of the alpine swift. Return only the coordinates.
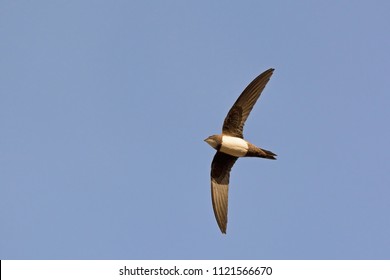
(230, 145)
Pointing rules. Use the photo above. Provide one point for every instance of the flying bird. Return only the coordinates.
(231, 145)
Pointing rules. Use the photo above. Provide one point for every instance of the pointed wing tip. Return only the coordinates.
(221, 225)
(222, 228)
(269, 71)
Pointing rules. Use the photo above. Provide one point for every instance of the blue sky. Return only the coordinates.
(104, 106)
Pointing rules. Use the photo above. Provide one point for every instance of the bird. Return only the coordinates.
(231, 145)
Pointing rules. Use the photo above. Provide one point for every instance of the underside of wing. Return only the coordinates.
(220, 173)
(238, 114)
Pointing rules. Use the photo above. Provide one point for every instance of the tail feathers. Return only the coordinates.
(268, 154)
(254, 151)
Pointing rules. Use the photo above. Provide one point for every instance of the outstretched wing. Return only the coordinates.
(220, 173)
(235, 119)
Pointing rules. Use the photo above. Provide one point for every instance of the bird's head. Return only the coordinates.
(214, 141)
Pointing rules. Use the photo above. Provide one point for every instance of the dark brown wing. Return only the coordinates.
(235, 119)
(220, 173)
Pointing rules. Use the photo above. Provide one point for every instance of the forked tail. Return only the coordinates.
(267, 154)
(254, 151)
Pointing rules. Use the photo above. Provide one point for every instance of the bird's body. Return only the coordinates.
(234, 146)
(231, 145)
(237, 147)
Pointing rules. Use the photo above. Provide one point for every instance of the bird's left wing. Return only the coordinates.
(235, 119)
(220, 173)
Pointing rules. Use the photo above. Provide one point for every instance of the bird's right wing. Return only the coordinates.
(220, 173)
(235, 119)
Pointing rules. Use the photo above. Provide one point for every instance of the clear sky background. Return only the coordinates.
(104, 106)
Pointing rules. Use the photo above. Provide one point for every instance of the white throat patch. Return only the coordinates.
(234, 146)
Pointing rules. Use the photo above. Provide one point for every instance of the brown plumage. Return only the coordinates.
(235, 119)
(230, 145)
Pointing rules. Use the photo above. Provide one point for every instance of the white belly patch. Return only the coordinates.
(234, 146)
